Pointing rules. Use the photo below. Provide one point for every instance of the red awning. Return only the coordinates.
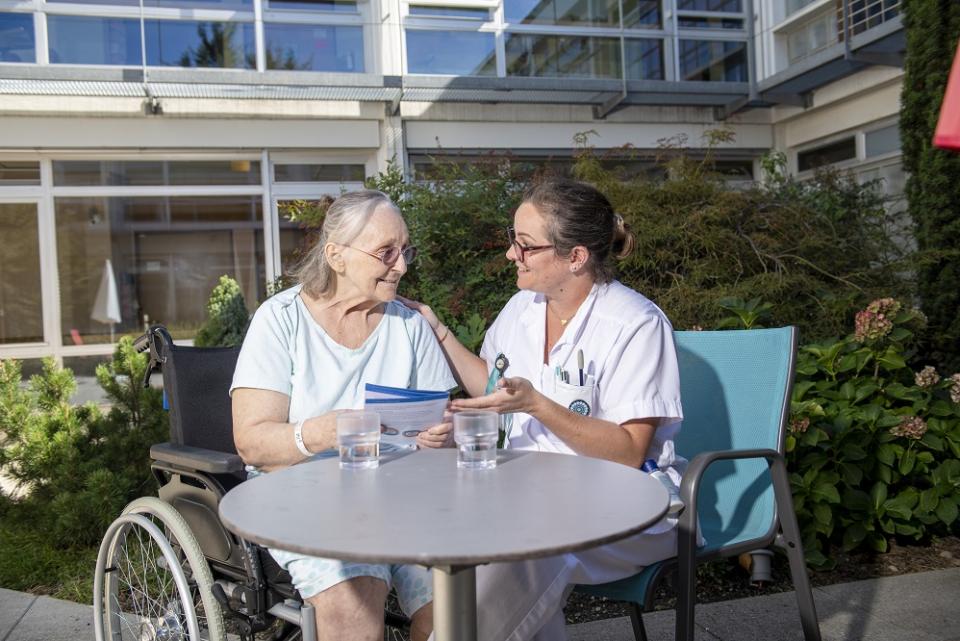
(947, 135)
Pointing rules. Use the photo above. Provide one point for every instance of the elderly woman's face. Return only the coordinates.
(364, 267)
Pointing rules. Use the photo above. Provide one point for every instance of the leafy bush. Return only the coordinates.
(933, 175)
(458, 222)
(820, 248)
(227, 316)
(873, 447)
(78, 465)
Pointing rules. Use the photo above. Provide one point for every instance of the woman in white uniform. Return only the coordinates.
(623, 405)
(308, 353)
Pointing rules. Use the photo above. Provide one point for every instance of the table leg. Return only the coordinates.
(455, 603)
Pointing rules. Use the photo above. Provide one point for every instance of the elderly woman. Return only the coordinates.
(308, 353)
(622, 403)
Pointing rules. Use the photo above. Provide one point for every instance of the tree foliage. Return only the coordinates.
(227, 316)
(78, 464)
(933, 187)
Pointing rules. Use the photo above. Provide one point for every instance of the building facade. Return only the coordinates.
(148, 146)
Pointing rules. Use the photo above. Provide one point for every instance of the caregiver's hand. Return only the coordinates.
(424, 310)
(512, 395)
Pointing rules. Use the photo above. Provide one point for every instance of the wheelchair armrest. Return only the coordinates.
(196, 458)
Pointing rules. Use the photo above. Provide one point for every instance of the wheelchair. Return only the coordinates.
(167, 569)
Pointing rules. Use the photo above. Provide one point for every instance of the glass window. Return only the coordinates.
(336, 6)
(449, 12)
(301, 47)
(811, 37)
(710, 23)
(15, 172)
(866, 15)
(713, 60)
(641, 13)
(166, 254)
(93, 41)
(159, 172)
(563, 56)
(211, 4)
(302, 173)
(16, 38)
(882, 141)
(644, 59)
(574, 12)
(731, 6)
(21, 312)
(461, 53)
(796, 5)
(186, 43)
(845, 149)
(295, 240)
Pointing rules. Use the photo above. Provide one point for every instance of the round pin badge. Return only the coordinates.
(581, 407)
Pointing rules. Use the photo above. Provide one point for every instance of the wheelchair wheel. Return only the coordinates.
(152, 582)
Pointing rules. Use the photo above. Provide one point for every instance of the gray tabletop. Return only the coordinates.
(419, 508)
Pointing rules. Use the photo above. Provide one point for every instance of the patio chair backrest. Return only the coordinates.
(197, 383)
(735, 388)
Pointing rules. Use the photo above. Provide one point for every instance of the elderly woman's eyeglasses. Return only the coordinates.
(523, 250)
(391, 255)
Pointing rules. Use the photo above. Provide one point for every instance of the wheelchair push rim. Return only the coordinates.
(152, 582)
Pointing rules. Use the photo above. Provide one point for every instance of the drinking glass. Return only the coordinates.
(475, 432)
(358, 436)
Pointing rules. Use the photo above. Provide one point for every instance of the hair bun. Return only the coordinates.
(624, 241)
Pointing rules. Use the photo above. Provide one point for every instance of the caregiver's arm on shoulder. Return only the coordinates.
(469, 369)
(263, 435)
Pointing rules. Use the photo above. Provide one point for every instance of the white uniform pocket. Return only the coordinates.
(576, 398)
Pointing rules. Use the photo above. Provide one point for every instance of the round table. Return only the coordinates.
(418, 507)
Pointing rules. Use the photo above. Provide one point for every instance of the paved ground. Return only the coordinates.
(912, 607)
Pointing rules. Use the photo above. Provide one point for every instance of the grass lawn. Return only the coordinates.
(29, 562)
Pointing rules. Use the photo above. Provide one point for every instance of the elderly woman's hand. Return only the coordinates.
(512, 395)
(440, 435)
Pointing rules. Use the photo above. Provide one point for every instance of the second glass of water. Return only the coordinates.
(358, 436)
(475, 432)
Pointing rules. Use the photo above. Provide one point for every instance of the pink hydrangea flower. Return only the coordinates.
(870, 326)
(884, 306)
(911, 427)
(799, 425)
(955, 388)
(927, 377)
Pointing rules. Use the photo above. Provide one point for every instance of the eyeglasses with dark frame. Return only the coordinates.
(391, 255)
(523, 249)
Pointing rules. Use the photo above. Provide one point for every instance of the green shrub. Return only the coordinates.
(78, 465)
(227, 316)
(458, 222)
(932, 28)
(873, 447)
(820, 248)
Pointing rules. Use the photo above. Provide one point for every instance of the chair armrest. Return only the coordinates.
(196, 458)
(690, 488)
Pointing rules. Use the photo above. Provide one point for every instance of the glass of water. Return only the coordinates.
(358, 436)
(475, 432)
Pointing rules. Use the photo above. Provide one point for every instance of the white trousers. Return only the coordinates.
(523, 601)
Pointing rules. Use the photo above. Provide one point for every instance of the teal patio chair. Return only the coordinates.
(735, 387)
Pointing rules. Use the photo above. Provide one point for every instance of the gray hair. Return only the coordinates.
(345, 219)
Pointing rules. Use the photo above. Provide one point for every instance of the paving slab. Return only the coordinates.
(13, 605)
(54, 620)
(659, 625)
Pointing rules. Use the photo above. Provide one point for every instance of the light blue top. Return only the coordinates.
(286, 351)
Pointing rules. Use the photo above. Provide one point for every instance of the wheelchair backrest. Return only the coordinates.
(197, 383)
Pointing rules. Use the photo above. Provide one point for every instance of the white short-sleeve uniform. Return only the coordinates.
(286, 351)
(631, 363)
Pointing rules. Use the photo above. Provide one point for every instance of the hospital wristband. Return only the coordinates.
(446, 332)
(298, 439)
